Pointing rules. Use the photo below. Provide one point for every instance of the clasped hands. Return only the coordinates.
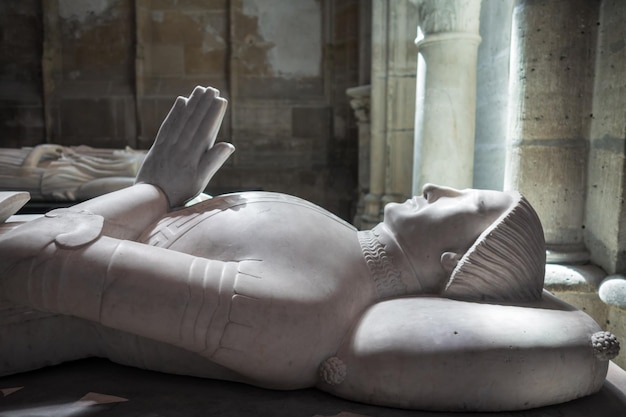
(184, 156)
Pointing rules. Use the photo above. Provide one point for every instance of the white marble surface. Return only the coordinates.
(52, 172)
(439, 307)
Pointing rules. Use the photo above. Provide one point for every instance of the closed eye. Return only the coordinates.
(429, 193)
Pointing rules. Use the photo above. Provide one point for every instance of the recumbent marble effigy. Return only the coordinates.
(51, 172)
(439, 307)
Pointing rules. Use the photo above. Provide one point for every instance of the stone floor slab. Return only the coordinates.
(61, 391)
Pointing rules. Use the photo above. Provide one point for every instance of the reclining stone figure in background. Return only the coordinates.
(439, 307)
(62, 173)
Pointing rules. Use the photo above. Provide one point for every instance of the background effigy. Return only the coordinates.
(61, 173)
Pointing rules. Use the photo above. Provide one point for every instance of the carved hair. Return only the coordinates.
(507, 261)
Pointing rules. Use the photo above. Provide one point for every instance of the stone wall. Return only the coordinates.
(88, 80)
(21, 101)
(605, 215)
(104, 73)
(179, 45)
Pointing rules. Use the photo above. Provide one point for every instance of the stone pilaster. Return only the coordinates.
(360, 103)
(550, 85)
(605, 216)
(372, 201)
(393, 98)
(51, 64)
(142, 39)
(446, 92)
(492, 81)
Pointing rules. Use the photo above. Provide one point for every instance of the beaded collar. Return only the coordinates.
(387, 277)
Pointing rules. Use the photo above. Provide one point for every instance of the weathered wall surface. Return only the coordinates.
(179, 45)
(88, 72)
(21, 108)
(492, 93)
(605, 216)
(553, 46)
(105, 72)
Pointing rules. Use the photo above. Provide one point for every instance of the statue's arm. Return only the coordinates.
(153, 292)
(39, 151)
(184, 156)
(127, 212)
(180, 164)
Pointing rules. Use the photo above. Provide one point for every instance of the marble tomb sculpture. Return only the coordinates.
(439, 307)
(52, 172)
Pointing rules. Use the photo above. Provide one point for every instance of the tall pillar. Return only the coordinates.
(400, 100)
(446, 93)
(392, 101)
(551, 82)
(142, 28)
(605, 214)
(360, 103)
(492, 81)
(372, 201)
(51, 64)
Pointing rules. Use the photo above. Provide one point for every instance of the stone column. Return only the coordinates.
(51, 65)
(393, 98)
(142, 31)
(446, 93)
(400, 100)
(551, 82)
(372, 201)
(605, 215)
(492, 96)
(360, 103)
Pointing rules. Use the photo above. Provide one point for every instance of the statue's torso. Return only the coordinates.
(248, 225)
(302, 280)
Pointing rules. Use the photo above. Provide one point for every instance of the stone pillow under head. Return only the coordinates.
(468, 356)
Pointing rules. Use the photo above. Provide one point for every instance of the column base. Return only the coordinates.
(372, 214)
(567, 254)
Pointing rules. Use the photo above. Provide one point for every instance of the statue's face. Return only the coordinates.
(442, 220)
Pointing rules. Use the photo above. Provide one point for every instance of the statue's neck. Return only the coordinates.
(388, 265)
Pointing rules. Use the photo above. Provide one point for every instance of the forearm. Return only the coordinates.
(156, 293)
(180, 164)
(129, 211)
(63, 281)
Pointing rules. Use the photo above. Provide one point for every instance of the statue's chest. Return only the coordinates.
(265, 226)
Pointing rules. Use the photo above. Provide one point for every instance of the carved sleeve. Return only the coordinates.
(152, 292)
